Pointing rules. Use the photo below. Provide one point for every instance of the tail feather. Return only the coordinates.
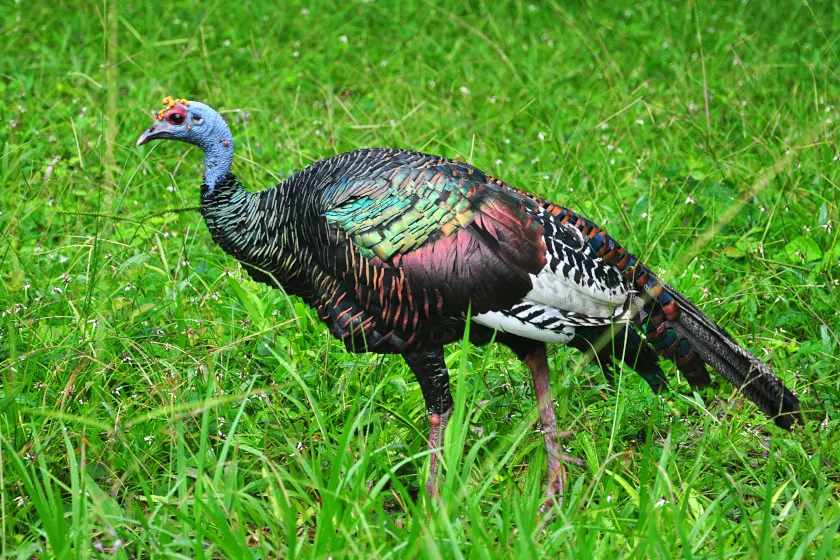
(736, 364)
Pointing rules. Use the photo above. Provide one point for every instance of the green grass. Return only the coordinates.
(156, 403)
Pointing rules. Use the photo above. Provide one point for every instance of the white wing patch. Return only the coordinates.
(574, 278)
(504, 321)
(576, 288)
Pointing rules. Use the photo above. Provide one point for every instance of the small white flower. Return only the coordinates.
(689, 200)
(541, 136)
(660, 503)
(343, 38)
(464, 89)
(492, 99)
(149, 438)
(226, 42)
(304, 12)
(296, 54)
(640, 121)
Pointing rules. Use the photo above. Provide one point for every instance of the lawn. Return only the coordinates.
(155, 402)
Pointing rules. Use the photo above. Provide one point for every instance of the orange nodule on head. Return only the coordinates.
(172, 105)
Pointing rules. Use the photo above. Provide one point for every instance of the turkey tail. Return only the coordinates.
(687, 334)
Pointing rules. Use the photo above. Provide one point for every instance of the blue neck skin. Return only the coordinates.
(218, 157)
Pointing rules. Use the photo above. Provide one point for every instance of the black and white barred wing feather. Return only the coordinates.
(575, 288)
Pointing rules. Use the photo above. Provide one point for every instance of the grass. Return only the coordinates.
(156, 403)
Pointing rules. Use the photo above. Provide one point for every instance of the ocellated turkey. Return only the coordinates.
(395, 250)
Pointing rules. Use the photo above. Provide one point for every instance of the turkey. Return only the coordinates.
(396, 250)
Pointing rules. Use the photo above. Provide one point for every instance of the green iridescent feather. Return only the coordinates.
(403, 216)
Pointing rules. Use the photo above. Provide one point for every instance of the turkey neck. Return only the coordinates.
(241, 222)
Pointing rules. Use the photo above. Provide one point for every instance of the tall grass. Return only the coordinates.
(157, 403)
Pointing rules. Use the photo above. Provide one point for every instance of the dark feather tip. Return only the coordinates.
(791, 414)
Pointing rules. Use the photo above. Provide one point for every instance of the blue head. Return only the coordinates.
(198, 124)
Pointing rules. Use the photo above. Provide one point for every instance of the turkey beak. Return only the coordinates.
(156, 131)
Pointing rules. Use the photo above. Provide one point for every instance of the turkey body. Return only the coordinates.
(397, 250)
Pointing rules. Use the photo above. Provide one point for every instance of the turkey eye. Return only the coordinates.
(176, 118)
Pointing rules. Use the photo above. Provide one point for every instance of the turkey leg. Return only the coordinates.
(538, 363)
(430, 370)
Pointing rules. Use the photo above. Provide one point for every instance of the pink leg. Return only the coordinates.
(429, 367)
(538, 363)
(437, 425)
